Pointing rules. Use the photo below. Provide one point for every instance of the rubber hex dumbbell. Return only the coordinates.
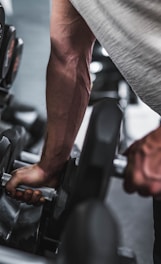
(7, 48)
(2, 23)
(15, 64)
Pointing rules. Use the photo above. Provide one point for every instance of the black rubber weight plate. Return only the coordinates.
(2, 22)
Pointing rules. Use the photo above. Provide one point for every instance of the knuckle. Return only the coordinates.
(37, 193)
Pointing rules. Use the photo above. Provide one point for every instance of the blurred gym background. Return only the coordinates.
(134, 214)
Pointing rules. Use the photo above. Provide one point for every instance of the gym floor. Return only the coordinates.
(134, 213)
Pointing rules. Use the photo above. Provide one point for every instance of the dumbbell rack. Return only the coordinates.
(11, 51)
(13, 139)
(14, 113)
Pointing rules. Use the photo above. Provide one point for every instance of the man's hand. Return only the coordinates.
(33, 176)
(143, 172)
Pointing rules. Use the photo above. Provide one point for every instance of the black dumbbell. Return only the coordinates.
(2, 23)
(86, 177)
(98, 152)
(16, 114)
(15, 64)
(12, 143)
(7, 48)
(91, 234)
(99, 149)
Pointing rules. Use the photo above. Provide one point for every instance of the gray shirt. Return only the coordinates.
(130, 31)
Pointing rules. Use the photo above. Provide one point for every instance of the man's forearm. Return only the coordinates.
(68, 88)
(68, 83)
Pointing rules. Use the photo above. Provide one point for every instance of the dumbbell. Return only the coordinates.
(26, 158)
(81, 239)
(4, 97)
(16, 114)
(14, 65)
(7, 49)
(86, 177)
(99, 148)
(11, 145)
(2, 23)
(91, 234)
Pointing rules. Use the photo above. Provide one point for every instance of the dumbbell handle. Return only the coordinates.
(119, 165)
(48, 193)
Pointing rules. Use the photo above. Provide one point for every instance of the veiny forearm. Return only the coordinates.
(68, 88)
(67, 84)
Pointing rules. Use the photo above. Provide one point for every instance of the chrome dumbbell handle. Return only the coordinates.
(29, 157)
(48, 193)
(119, 165)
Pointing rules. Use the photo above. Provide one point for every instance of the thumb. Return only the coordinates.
(12, 184)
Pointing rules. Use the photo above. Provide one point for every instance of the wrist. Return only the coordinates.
(52, 166)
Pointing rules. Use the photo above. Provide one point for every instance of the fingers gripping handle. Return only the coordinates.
(119, 165)
(48, 193)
